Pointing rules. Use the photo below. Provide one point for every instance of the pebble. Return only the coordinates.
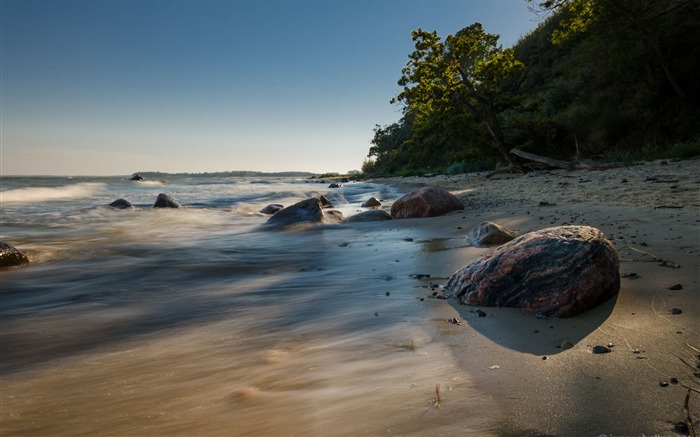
(481, 313)
(567, 345)
(676, 311)
(676, 287)
(663, 384)
(600, 349)
(674, 381)
(682, 428)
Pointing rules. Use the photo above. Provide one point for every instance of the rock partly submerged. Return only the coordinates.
(558, 272)
(371, 203)
(10, 256)
(121, 204)
(308, 211)
(426, 202)
(271, 208)
(369, 216)
(165, 201)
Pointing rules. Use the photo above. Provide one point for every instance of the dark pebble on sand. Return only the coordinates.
(676, 287)
(674, 381)
(676, 311)
(682, 428)
(600, 349)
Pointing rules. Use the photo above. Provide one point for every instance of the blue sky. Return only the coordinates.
(111, 87)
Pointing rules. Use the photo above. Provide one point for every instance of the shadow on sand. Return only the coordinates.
(521, 331)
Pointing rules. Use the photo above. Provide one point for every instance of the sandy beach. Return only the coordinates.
(650, 212)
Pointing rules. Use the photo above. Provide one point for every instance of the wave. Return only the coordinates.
(39, 194)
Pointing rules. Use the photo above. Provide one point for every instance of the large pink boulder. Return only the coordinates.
(426, 202)
(558, 272)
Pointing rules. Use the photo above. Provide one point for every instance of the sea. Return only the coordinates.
(201, 321)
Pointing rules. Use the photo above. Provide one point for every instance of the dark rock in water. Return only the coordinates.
(490, 234)
(271, 208)
(334, 185)
(371, 202)
(560, 272)
(325, 203)
(165, 201)
(121, 204)
(369, 216)
(334, 216)
(136, 177)
(11, 256)
(306, 211)
(426, 202)
(600, 349)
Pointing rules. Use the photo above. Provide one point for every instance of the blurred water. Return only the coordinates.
(195, 321)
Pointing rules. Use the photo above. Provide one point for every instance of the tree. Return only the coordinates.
(640, 15)
(463, 71)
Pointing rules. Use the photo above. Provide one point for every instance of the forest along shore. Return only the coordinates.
(651, 212)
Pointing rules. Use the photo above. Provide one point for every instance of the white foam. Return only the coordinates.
(40, 194)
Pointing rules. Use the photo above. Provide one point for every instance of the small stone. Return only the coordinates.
(674, 381)
(663, 384)
(544, 358)
(676, 287)
(676, 311)
(682, 428)
(481, 313)
(600, 349)
(610, 345)
(536, 331)
(636, 351)
(566, 344)
(387, 294)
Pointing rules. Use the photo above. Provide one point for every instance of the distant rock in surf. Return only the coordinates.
(271, 208)
(490, 234)
(11, 256)
(121, 204)
(165, 201)
(558, 272)
(136, 177)
(426, 202)
(369, 216)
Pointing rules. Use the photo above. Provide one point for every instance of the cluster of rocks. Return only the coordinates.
(423, 202)
(554, 272)
(162, 201)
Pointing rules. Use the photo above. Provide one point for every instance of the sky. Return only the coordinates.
(113, 87)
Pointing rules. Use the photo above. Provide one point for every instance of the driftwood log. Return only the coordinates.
(567, 165)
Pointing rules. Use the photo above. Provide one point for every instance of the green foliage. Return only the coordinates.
(620, 82)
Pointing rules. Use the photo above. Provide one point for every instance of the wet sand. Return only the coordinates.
(516, 359)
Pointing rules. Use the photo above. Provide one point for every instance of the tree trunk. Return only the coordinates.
(494, 128)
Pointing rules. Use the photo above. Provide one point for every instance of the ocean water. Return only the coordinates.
(199, 321)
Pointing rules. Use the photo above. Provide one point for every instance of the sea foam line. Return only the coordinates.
(39, 194)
